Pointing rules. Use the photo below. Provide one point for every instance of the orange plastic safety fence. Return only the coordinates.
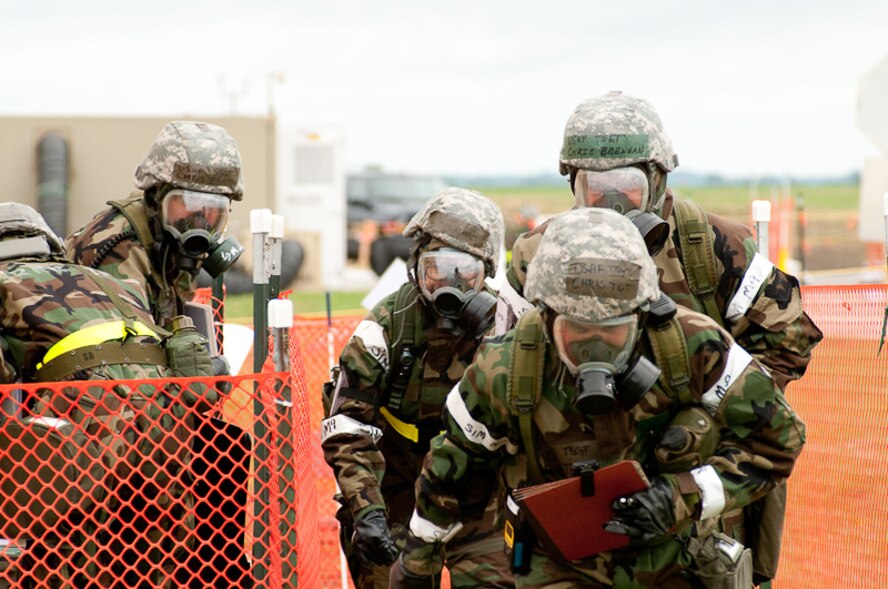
(114, 487)
(320, 349)
(158, 483)
(837, 522)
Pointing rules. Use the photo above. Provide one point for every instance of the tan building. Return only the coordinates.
(103, 152)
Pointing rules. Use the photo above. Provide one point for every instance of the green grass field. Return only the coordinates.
(834, 200)
(725, 200)
(239, 308)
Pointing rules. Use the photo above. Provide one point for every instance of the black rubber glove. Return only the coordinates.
(372, 542)
(644, 516)
(401, 578)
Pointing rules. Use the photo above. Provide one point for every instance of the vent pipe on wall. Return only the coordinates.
(52, 181)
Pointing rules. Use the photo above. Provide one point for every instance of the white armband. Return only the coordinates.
(343, 425)
(753, 280)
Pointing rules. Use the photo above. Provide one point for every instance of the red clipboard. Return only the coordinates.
(571, 525)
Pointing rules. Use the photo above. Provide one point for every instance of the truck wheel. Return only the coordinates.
(385, 249)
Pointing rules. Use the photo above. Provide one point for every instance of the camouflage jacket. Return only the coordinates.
(760, 305)
(42, 302)
(761, 437)
(129, 258)
(359, 441)
(142, 432)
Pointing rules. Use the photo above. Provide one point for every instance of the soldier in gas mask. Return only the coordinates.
(59, 322)
(162, 236)
(599, 371)
(617, 155)
(396, 371)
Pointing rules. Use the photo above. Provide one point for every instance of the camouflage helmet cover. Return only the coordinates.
(592, 264)
(463, 219)
(194, 156)
(17, 219)
(613, 131)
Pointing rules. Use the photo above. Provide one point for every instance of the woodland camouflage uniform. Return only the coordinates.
(375, 465)
(773, 327)
(189, 155)
(139, 431)
(760, 436)
(759, 304)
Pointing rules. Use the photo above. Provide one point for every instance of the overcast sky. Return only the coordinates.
(467, 86)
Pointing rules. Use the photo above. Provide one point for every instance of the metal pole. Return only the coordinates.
(761, 216)
(885, 211)
(885, 316)
(276, 237)
(802, 223)
(331, 363)
(260, 225)
(217, 303)
(280, 319)
(331, 358)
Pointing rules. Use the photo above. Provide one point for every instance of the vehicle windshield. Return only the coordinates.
(394, 188)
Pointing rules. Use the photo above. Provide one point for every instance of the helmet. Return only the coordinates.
(462, 219)
(615, 130)
(19, 220)
(592, 264)
(194, 156)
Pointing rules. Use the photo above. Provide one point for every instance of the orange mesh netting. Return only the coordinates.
(84, 505)
(837, 525)
(125, 484)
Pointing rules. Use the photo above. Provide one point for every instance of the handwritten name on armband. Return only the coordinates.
(475, 431)
(372, 335)
(343, 425)
(737, 361)
(510, 307)
(756, 275)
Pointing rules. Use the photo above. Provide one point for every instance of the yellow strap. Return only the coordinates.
(408, 430)
(94, 335)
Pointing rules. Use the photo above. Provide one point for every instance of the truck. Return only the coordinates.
(378, 206)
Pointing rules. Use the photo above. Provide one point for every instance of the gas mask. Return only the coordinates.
(600, 354)
(451, 281)
(627, 191)
(194, 222)
(222, 255)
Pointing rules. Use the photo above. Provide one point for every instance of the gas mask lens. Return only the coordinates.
(194, 219)
(449, 268)
(607, 345)
(620, 189)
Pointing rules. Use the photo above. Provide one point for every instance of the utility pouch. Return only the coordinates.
(721, 562)
(519, 537)
(329, 390)
(188, 354)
